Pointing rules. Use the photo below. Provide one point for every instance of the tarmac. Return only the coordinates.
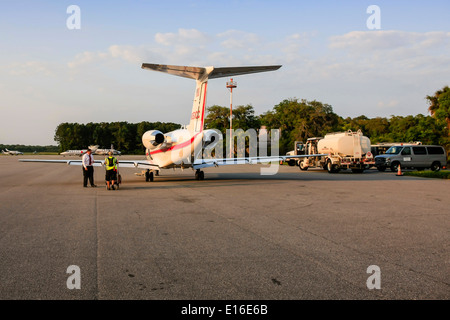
(237, 235)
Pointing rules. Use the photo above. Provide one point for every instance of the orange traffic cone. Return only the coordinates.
(399, 171)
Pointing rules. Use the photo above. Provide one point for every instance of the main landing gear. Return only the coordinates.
(148, 176)
(199, 175)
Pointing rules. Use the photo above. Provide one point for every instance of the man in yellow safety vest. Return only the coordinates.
(111, 171)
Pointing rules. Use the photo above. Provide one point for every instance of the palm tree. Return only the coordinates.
(440, 105)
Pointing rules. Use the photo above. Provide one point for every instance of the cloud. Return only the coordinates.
(237, 40)
(292, 44)
(31, 68)
(127, 53)
(388, 105)
(372, 41)
(183, 36)
(398, 55)
(187, 46)
(356, 57)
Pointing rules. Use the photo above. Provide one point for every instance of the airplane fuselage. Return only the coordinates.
(178, 150)
(73, 153)
(12, 152)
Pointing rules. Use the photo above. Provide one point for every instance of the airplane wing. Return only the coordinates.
(204, 163)
(144, 164)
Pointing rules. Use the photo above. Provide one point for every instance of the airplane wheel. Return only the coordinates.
(199, 175)
(148, 176)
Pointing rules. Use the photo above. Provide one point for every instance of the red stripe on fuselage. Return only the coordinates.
(178, 146)
(204, 102)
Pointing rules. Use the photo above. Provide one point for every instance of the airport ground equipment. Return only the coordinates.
(382, 147)
(344, 150)
(413, 156)
(299, 149)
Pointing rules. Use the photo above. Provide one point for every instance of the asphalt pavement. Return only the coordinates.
(235, 235)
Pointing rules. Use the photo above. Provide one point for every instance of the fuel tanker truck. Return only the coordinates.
(344, 150)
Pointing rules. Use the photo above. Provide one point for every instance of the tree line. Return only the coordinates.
(29, 149)
(124, 136)
(297, 119)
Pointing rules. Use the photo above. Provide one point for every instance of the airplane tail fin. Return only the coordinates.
(201, 75)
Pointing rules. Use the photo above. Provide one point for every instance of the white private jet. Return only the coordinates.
(73, 152)
(183, 148)
(78, 152)
(11, 152)
(106, 151)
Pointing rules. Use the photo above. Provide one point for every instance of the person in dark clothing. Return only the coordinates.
(88, 169)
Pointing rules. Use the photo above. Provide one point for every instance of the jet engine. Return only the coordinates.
(210, 138)
(152, 139)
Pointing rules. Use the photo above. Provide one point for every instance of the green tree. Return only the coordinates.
(300, 120)
(244, 118)
(439, 106)
(218, 117)
(125, 136)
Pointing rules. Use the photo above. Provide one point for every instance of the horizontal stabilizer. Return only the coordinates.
(205, 73)
(236, 71)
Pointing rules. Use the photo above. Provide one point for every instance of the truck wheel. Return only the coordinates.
(291, 163)
(436, 166)
(332, 168)
(329, 167)
(302, 166)
(394, 166)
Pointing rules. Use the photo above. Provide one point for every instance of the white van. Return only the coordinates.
(412, 156)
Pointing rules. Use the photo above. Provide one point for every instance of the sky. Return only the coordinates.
(361, 62)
